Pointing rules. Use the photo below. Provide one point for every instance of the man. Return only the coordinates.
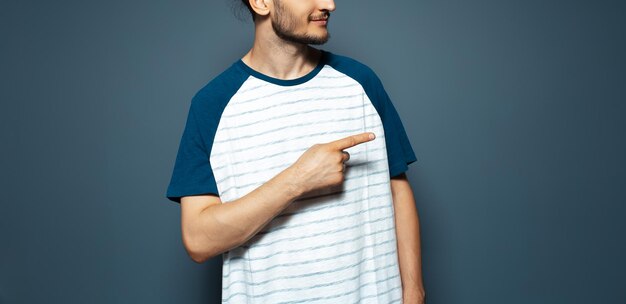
(277, 171)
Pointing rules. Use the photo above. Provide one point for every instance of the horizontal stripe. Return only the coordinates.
(317, 273)
(289, 139)
(291, 277)
(252, 272)
(264, 118)
(325, 284)
(314, 234)
(329, 219)
(276, 267)
(341, 204)
(382, 293)
(274, 254)
(257, 184)
(332, 77)
(281, 91)
(296, 126)
(306, 101)
(349, 292)
(301, 150)
(346, 191)
(358, 200)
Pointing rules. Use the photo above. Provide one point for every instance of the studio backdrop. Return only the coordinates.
(515, 110)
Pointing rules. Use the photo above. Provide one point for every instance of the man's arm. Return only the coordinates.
(408, 236)
(210, 227)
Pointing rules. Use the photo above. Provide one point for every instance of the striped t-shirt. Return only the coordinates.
(244, 127)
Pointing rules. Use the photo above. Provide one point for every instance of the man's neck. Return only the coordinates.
(280, 59)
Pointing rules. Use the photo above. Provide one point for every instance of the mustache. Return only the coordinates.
(325, 15)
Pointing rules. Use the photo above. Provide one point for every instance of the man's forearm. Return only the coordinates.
(408, 237)
(230, 224)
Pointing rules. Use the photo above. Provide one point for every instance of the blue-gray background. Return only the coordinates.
(515, 110)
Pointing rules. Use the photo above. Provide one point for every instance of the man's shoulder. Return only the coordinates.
(218, 90)
(353, 68)
(348, 63)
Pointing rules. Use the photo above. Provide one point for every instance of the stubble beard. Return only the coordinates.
(283, 23)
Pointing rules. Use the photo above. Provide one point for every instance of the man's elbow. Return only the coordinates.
(197, 257)
(198, 253)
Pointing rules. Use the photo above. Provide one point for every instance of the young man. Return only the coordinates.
(278, 170)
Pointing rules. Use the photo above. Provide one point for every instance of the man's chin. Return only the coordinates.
(308, 39)
(319, 40)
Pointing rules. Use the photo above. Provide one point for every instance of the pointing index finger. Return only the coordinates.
(352, 140)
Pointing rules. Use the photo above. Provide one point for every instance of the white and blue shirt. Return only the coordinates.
(244, 127)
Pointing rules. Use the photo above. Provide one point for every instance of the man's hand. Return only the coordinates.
(322, 165)
(413, 295)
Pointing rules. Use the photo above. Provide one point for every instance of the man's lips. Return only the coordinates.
(323, 18)
(321, 21)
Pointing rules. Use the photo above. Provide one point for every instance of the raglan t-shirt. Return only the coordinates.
(245, 127)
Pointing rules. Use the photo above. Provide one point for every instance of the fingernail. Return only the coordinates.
(372, 136)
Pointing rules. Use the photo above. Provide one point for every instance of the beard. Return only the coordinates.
(283, 23)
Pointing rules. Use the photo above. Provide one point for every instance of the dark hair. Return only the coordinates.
(247, 4)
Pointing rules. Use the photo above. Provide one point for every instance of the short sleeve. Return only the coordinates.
(399, 151)
(192, 174)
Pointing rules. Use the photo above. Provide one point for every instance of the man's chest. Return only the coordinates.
(261, 134)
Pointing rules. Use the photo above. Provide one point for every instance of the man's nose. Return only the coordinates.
(328, 5)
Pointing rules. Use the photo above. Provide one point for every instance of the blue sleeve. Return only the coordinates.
(399, 151)
(192, 173)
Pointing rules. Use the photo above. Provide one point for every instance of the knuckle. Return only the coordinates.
(338, 179)
(339, 157)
